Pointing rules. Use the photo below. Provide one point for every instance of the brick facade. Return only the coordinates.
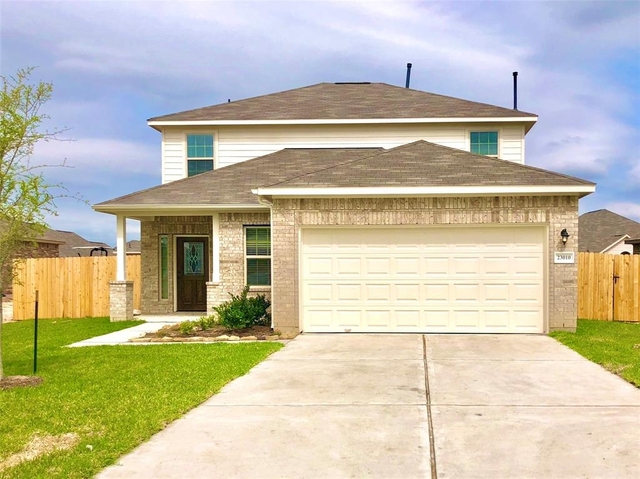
(555, 212)
(150, 232)
(121, 300)
(232, 259)
(289, 215)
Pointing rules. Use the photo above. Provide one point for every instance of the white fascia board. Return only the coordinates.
(368, 121)
(174, 210)
(616, 243)
(379, 192)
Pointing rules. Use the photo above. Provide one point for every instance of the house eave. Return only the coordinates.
(616, 243)
(137, 210)
(388, 192)
(356, 121)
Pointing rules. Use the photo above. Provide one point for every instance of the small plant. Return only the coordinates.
(207, 322)
(187, 327)
(242, 312)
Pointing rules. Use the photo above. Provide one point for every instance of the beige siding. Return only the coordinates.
(240, 143)
(620, 248)
(173, 155)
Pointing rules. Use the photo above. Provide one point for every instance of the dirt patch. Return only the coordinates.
(173, 331)
(40, 446)
(10, 382)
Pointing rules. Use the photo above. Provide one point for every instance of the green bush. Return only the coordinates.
(206, 322)
(187, 327)
(242, 312)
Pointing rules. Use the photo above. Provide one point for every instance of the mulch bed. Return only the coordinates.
(173, 331)
(10, 382)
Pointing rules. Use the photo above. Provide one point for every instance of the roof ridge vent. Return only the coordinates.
(352, 83)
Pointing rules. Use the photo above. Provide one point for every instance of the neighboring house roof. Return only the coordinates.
(602, 229)
(72, 244)
(417, 165)
(132, 247)
(345, 101)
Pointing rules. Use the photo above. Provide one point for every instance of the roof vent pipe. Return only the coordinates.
(406, 84)
(515, 90)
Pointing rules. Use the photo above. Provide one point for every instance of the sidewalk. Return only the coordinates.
(152, 324)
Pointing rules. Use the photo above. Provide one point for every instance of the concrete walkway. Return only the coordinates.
(152, 324)
(334, 406)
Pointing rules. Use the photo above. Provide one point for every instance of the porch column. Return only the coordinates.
(121, 248)
(214, 288)
(215, 248)
(121, 290)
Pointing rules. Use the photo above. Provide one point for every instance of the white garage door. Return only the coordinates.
(437, 279)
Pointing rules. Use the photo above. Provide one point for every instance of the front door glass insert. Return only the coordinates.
(193, 258)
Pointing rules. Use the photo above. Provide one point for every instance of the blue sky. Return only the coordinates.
(115, 64)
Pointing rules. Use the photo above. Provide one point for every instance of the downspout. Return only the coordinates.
(264, 201)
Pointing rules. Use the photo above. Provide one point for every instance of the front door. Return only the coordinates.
(192, 270)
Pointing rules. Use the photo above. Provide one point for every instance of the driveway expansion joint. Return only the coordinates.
(432, 446)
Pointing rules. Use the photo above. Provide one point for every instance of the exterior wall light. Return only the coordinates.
(565, 236)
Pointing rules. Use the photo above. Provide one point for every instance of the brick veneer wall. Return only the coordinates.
(232, 258)
(555, 212)
(150, 232)
(232, 274)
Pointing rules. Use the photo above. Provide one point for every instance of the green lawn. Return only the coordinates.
(112, 397)
(614, 345)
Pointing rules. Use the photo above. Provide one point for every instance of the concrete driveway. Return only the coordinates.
(334, 406)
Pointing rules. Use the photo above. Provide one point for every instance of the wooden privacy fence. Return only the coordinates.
(69, 287)
(609, 287)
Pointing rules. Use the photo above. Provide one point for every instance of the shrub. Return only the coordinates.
(187, 327)
(206, 322)
(242, 312)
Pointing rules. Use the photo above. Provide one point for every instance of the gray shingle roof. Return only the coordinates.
(233, 184)
(348, 101)
(70, 240)
(601, 228)
(419, 164)
(423, 164)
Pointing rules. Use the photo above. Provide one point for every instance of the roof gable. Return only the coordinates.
(345, 101)
(601, 229)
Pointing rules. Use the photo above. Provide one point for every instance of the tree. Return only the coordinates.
(25, 196)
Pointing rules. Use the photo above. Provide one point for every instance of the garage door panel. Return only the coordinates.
(496, 318)
(407, 292)
(378, 318)
(377, 292)
(437, 318)
(348, 292)
(377, 266)
(467, 267)
(436, 266)
(467, 318)
(319, 292)
(499, 292)
(465, 293)
(523, 292)
(347, 266)
(348, 318)
(423, 279)
(407, 266)
(527, 266)
(436, 293)
(407, 318)
(318, 266)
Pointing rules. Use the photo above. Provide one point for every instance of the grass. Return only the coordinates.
(613, 345)
(113, 397)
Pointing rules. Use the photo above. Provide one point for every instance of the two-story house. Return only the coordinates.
(360, 207)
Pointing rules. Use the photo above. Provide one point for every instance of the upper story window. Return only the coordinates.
(484, 143)
(199, 154)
